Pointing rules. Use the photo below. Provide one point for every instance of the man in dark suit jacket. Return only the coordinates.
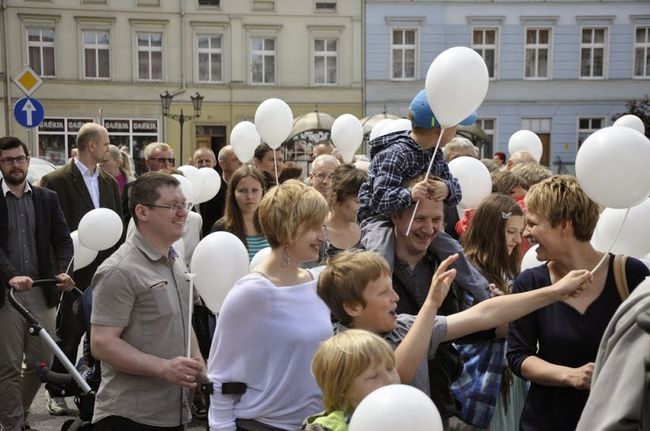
(37, 245)
(81, 187)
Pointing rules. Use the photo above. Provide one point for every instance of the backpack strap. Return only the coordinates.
(620, 277)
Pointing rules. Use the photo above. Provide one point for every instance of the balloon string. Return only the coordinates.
(426, 177)
(275, 164)
(67, 270)
(620, 229)
(190, 307)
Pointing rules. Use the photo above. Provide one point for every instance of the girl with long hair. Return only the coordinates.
(243, 197)
(489, 397)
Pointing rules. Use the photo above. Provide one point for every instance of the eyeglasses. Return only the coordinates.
(10, 160)
(171, 161)
(322, 176)
(173, 207)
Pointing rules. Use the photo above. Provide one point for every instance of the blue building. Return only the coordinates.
(558, 68)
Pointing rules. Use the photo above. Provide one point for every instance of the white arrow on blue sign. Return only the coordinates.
(29, 112)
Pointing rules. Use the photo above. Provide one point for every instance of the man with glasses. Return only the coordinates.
(34, 243)
(140, 317)
(321, 173)
(157, 156)
(81, 187)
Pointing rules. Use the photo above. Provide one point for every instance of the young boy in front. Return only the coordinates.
(357, 287)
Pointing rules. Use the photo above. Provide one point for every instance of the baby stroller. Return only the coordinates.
(81, 385)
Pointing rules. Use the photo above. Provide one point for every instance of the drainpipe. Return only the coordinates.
(5, 60)
(182, 42)
(363, 56)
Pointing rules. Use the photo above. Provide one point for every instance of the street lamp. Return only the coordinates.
(166, 100)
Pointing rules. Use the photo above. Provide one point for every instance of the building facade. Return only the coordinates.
(109, 60)
(558, 68)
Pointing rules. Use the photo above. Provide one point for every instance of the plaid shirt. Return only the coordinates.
(395, 158)
(477, 388)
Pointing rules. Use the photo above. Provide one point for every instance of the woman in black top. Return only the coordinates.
(555, 347)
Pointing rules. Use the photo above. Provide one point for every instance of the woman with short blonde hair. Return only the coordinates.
(272, 322)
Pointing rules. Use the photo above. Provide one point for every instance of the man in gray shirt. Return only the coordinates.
(34, 243)
(140, 318)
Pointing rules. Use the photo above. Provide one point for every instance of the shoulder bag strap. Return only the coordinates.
(620, 277)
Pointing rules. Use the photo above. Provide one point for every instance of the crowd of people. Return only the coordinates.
(373, 276)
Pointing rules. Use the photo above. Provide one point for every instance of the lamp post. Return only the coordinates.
(166, 100)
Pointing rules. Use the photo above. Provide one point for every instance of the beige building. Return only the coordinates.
(109, 60)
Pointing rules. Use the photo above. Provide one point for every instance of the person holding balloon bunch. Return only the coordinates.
(400, 156)
(555, 347)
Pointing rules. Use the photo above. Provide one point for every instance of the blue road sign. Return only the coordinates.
(29, 112)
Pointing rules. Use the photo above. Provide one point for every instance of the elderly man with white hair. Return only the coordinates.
(321, 173)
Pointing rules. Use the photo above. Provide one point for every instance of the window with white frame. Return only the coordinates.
(149, 56)
(538, 50)
(262, 60)
(484, 42)
(96, 47)
(593, 51)
(489, 127)
(587, 126)
(403, 53)
(209, 57)
(40, 50)
(642, 52)
(325, 61)
(208, 2)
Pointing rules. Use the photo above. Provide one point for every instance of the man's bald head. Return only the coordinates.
(521, 156)
(228, 161)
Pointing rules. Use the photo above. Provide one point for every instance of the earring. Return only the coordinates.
(284, 262)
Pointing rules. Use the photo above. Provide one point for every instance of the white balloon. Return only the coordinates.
(83, 256)
(474, 179)
(218, 261)
(347, 135)
(399, 125)
(244, 139)
(525, 140)
(259, 257)
(396, 407)
(186, 187)
(378, 130)
(456, 83)
(631, 121)
(612, 167)
(100, 229)
(273, 120)
(192, 174)
(530, 259)
(635, 231)
(210, 185)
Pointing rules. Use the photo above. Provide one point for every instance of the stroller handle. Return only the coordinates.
(20, 307)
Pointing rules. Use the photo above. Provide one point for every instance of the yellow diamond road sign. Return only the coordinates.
(28, 81)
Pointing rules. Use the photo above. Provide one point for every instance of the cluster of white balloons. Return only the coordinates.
(612, 168)
(98, 230)
(198, 185)
(273, 123)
